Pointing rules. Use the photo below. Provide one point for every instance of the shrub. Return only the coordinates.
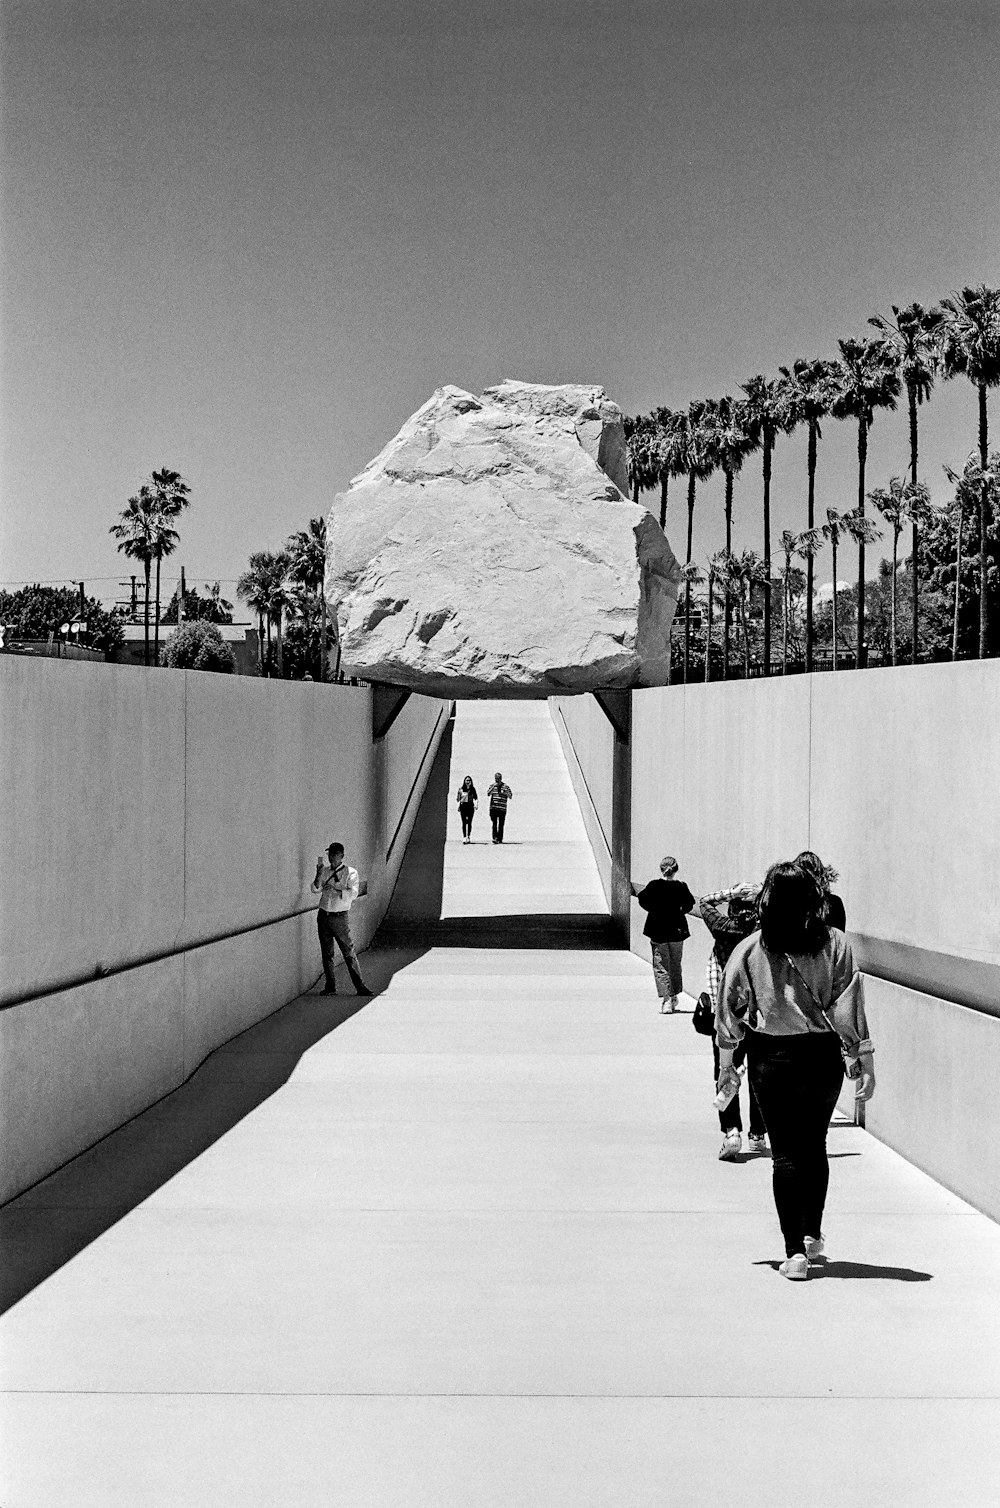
(198, 646)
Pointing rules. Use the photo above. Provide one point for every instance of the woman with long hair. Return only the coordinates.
(468, 800)
(793, 992)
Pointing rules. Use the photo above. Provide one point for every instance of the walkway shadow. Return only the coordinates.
(57, 1218)
(824, 1268)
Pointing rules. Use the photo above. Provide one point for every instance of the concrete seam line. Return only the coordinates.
(583, 776)
(416, 780)
(78, 981)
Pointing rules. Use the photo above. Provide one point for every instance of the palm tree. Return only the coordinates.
(969, 485)
(278, 598)
(306, 550)
(667, 454)
(134, 533)
(894, 505)
(915, 335)
(638, 451)
(856, 527)
(805, 546)
(811, 387)
(741, 573)
(768, 413)
(697, 463)
(716, 569)
(170, 496)
(254, 586)
(868, 379)
(730, 441)
(164, 541)
(971, 343)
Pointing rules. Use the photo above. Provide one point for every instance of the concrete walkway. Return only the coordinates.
(473, 1246)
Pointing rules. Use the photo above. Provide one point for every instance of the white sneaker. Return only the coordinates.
(668, 1006)
(815, 1246)
(731, 1147)
(796, 1268)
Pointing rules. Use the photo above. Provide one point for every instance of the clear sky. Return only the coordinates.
(245, 239)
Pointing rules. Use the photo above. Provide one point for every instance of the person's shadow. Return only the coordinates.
(823, 1268)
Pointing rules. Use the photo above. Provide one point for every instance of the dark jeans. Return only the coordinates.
(499, 817)
(797, 1081)
(335, 926)
(467, 813)
(667, 968)
(730, 1118)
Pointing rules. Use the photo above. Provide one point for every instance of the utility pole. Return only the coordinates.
(180, 600)
(83, 603)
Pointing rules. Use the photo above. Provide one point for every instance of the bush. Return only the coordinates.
(198, 646)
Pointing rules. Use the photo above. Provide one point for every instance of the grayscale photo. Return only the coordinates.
(499, 748)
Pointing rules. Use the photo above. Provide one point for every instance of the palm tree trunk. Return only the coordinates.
(745, 628)
(692, 483)
(862, 458)
(833, 546)
(156, 620)
(768, 443)
(983, 606)
(727, 610)
(958, 578)
(892, 606)
(145, 636)
(785, 598)
(635, 491)
(260, 644)
(915, 584)
(322, 636)
(811, 518)
(708, 633)
(277, 632)
(664, 478)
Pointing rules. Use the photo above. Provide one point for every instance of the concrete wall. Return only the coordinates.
(891, 776)
(587, 739)
(160, 834)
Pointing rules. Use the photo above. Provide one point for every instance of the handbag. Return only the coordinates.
(852, 1065)
(703, 1019)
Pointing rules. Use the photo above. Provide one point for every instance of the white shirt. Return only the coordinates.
(333, 898)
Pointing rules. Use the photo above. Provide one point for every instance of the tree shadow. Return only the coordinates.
(824, 1268)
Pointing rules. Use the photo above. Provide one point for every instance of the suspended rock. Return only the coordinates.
(490, 550)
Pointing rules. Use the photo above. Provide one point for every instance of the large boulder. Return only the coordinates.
(490, 550)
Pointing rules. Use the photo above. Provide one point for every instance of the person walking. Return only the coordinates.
(666, 902)
(499, 795)
(824, 875)
(468, 800)
(728, 928)
(338, 885)
(793, 991)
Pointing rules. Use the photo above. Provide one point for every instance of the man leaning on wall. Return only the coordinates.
(338, 885)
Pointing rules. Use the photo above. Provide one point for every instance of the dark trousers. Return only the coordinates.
(467, 813)
(667, 968)
(730, 1118)
(797, 1081)
(335, 926)
(498, 815)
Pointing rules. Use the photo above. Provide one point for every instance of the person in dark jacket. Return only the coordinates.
(833, 907)
(666, 902)
(728, 928)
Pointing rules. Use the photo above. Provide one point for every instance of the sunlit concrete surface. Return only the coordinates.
(471, 1244)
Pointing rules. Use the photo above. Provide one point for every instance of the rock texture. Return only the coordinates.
(490, 550)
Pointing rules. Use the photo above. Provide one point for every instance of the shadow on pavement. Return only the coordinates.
(823, 1268)
(54, 1220)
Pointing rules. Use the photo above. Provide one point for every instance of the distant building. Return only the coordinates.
(242, 639)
